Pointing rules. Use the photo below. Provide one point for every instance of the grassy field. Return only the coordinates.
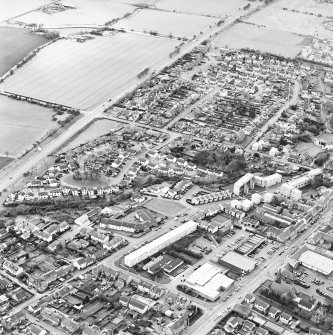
(265, 39)
(86, 12)
(308, 148)
(199, 7)
(10, 8)
(15, 43)
(98, 128)
(5, 161)
(163, 22)
(165, 207)
(21, 125)
(83, 75)
(276, 18)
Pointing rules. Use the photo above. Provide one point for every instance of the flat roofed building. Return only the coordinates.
(159, 244)
(208, 280)
(316, 262)
(237, 262)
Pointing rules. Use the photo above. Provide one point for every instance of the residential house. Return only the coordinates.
(261, 306)
(285, 318)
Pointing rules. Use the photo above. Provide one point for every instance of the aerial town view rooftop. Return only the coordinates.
(166, 167)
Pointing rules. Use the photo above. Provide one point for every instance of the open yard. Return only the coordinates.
(299, 23)
(165, 207)
(15, 44)
(165, 23)
(84, 75)
(265, 39)
(98, 128)
(21, 125)
(216, 8)
(86, 12)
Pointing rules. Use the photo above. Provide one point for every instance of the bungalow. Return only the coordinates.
(30, 196)
(261, 306)
(42, 195)
(285, 318)
(35, 183)
(55, 192)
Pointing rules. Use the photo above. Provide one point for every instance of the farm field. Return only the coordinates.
(293, 22)
(15, 44)
(309, 6)
(10, 8)
(87, 12)
(96, 129)
(265, 39)
(180, 25)
(215, 8)
(84, 75)
(165, 207)
(21, 125)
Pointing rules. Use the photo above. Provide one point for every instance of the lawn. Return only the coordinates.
(96, 129)
(200, 7)
(15, 44)
(86, 12)
(165, 23)
(165, 207)
(299, 23)
(265, 39)
(84, 75)
(21, 125)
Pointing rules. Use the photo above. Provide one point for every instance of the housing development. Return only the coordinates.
(166, 167)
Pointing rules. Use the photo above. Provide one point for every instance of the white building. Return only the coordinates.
(316, 262)
(208, 280)
(160, 243)
(268, 181)
(244, 184)
(256, 198)
(291, 189)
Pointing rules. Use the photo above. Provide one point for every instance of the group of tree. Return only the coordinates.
(225, 160)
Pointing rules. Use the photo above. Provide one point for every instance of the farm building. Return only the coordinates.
(316, 262)
(207, 281)
(159, 244)
(238, 263)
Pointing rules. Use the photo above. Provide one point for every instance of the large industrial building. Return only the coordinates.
(159, 244)
(237, 262)
(208, 281)
(316, 262)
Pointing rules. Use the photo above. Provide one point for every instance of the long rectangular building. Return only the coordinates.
(159, 244)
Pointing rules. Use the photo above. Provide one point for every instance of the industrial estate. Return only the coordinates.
(166, 167)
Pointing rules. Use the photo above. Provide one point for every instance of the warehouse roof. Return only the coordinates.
(317, 262)
(241, 262)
